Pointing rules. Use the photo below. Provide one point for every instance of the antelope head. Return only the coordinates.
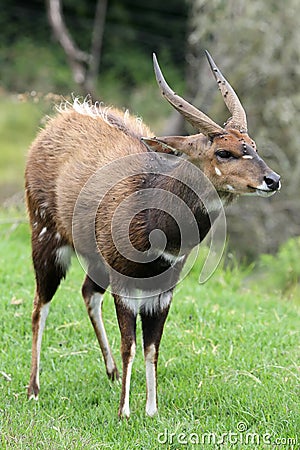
(226, 155)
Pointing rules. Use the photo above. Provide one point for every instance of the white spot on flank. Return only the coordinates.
(42, 213)
(247, 157)
(63, 256)
(218, 171)
(58, 236)
(42, 233)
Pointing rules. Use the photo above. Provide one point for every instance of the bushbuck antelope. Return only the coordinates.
(86, 139)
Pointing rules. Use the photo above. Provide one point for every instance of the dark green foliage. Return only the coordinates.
(133, 30)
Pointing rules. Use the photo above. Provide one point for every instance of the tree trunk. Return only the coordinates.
(84, 66)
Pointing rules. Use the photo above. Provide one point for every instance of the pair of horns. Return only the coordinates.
(196, 117)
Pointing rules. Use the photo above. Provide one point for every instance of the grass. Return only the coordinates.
(229, 358)
(19, 122)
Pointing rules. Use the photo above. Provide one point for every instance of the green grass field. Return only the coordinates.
(228, 369)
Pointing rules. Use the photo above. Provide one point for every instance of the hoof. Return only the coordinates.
(124, 414)
(33, 392)
(32, 397)
(151, 412)
(113, 375)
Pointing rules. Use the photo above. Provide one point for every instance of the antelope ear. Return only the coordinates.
(159, 145)
(177, 144)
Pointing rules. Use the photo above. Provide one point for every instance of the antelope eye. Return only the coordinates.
(224, 154)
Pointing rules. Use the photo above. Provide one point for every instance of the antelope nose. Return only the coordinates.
(272, 180)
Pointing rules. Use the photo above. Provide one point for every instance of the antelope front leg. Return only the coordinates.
(153, 326)
(127, 325)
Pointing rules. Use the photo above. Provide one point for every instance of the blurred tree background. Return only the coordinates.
(256, 45)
